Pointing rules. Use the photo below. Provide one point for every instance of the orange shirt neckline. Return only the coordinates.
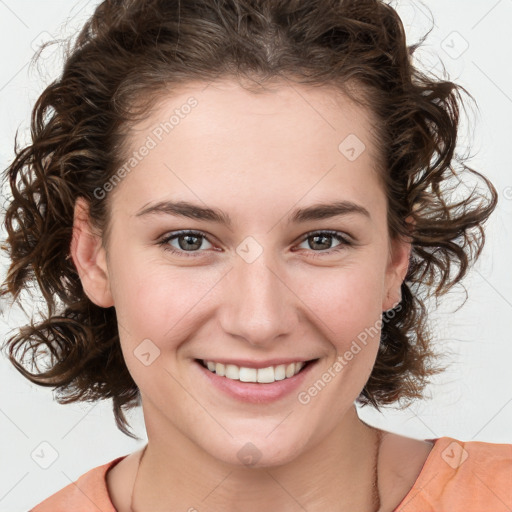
(411, 494)
(445, 482)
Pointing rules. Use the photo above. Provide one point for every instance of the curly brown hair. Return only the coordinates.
(129, 54)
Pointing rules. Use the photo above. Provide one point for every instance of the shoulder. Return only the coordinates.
(89, 493)
(463, 475)
(401, 461)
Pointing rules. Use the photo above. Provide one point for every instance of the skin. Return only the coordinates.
(256, 157)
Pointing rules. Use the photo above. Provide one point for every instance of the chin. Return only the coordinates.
(260, 452)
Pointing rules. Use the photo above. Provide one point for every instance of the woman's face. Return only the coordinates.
(256, 289)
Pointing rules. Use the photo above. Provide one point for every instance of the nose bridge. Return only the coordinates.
(260, 305)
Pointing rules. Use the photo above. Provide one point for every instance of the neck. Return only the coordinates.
(339, 473)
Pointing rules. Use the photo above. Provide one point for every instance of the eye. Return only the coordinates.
(323, 239)
(187, 241)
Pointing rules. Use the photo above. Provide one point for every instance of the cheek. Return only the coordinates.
(151, 308)
(157, 301)
(345, 301)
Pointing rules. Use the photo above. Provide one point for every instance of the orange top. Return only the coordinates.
(469, 476)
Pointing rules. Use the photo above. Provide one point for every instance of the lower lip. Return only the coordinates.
(254, 392)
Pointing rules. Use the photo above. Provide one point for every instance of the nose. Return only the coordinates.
(258, 304)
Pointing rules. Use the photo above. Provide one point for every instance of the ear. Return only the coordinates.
(89, 257)
(398, 264)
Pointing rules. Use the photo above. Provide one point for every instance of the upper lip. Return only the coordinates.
(247, 363)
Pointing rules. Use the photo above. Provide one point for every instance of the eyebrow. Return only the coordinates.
(317, 211)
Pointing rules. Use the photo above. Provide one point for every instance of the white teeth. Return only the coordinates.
(248, 374)
(262, 375)
(280, 372)
(266, 375)
(232, 372)
(220, 370)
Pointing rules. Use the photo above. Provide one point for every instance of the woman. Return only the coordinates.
(242, 206)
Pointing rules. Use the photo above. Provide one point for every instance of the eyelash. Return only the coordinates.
(344, 242)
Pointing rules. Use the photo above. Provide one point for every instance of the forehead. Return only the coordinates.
(222, 107)
(289, 142)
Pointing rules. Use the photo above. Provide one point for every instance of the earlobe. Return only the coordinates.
(89, 257)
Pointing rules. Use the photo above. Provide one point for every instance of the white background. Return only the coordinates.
(472, 401)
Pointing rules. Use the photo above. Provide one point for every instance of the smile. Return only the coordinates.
(261, 375)
(255, 385)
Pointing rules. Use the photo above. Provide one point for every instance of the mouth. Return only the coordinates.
(267, 375)
(243, 384)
